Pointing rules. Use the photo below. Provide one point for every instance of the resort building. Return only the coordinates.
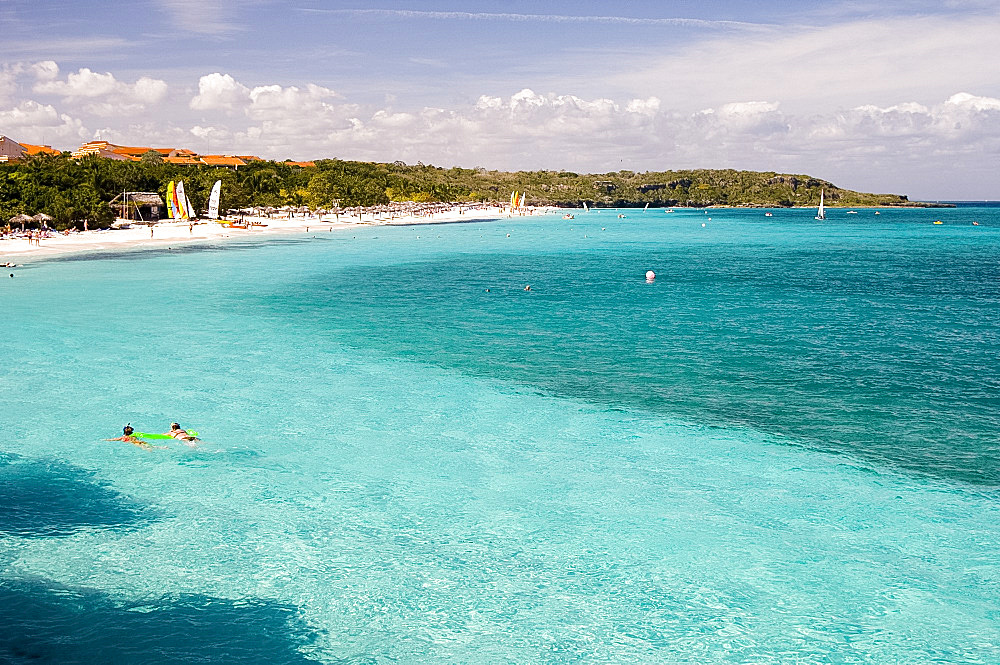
(228, 161)
(10, 150)
(177, 156)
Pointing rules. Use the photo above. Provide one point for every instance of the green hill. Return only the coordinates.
(72, 191)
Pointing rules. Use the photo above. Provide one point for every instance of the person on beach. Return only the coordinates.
(177, 433)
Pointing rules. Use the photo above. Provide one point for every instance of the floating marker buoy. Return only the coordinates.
(703, 225)
(650, 275)
(508, 235)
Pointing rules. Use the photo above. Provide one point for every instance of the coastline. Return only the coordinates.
(169, 233)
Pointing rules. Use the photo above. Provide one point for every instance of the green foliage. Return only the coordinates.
(72, 191)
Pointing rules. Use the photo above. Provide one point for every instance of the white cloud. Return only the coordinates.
(965, 101)
(535, 18)
(84, 83)
(220, 92)
(101, 93)
(831, 67)
(45, 70)
(33, 122)
(206, 17)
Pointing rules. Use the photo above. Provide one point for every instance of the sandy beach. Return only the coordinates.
(169, 232)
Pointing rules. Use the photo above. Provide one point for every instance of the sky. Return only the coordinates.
(886, 97)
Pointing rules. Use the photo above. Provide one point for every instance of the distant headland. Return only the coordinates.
(72, 188)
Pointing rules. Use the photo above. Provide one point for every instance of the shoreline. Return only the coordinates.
(171, 232)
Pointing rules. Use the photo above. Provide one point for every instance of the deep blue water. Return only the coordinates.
(784, 448)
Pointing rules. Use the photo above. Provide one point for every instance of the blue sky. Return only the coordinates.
(888, 97)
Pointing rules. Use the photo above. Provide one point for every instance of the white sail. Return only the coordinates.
(183, 210)
(585, 208)
(821, 213)
(191, 212)
(213, 200)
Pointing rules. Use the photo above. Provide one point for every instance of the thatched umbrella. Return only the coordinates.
(21, 219)
(42, 219)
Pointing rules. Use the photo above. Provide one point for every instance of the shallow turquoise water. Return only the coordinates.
(784, 449)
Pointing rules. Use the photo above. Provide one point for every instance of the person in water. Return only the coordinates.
(177, 433)
(128, 436)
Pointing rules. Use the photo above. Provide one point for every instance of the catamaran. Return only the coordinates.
(180, 201)
(821, 213)
(213, 200)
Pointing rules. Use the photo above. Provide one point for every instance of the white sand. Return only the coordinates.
(16, 250)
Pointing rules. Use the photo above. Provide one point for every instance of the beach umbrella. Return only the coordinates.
(21, 219)
(42, 218)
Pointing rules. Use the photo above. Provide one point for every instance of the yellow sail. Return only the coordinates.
(171, 199)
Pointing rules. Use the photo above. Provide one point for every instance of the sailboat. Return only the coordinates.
(213, 200)
(821, 213)
(171, 206)
(585, 208)
(180, 200)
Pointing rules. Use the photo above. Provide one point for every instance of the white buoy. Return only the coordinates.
(650, 275)
(702, 225)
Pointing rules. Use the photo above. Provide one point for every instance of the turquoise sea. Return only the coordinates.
(786, 448)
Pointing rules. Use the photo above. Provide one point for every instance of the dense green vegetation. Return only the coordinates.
(72, 191)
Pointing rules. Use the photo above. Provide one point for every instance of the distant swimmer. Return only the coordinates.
(177, 433)
(128, 436)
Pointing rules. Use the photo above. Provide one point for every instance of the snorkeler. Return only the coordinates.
(128, 436)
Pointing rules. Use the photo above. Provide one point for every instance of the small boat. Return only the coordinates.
(669, 210)
(821, 212)
(621, 216)
(769, 214)
(213, 200)
(568, 216)
(938, 221)
(852, 212)
(877, 212)
(975, 223)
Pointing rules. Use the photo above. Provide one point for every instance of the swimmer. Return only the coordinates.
(177, 433)
(129, 437)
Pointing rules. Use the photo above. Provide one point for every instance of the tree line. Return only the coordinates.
(74, 191)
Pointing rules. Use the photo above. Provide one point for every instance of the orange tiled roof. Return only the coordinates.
(250, 158)
(222, 160)
(182, 161)
(129, 150)
(302, 164)
(36, 149)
